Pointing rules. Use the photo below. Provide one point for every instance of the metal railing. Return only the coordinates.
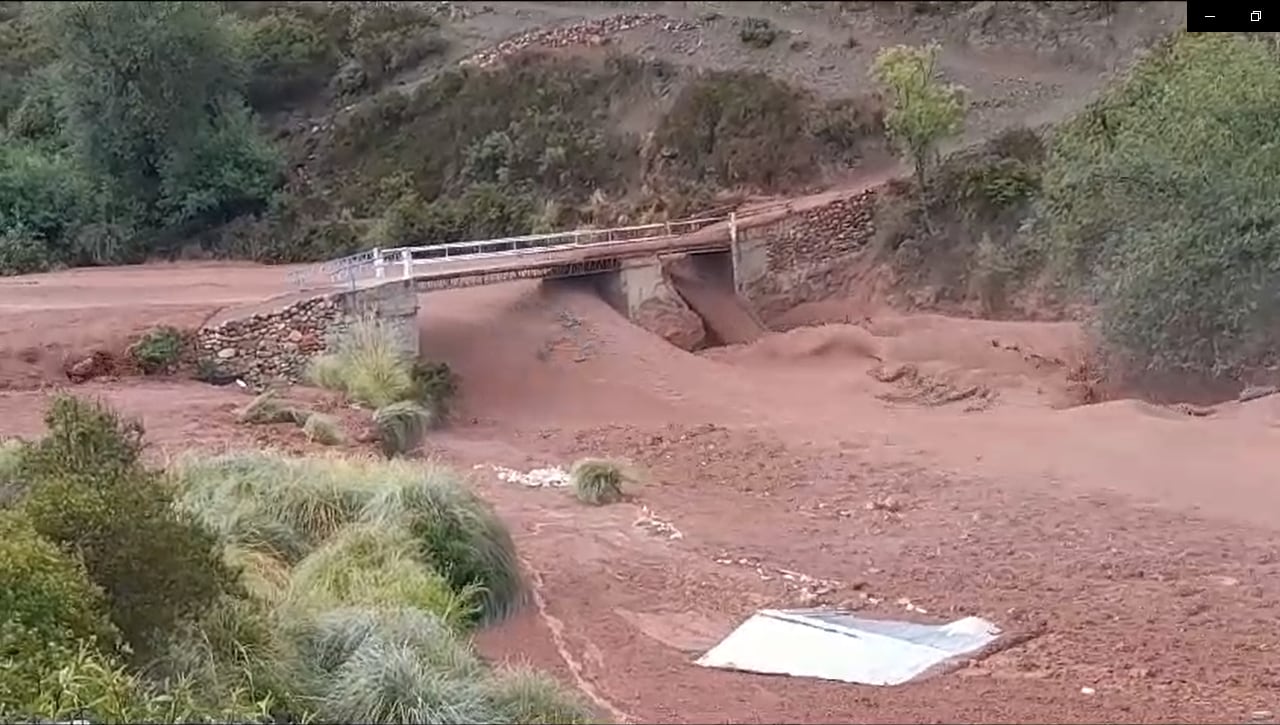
(407, 261)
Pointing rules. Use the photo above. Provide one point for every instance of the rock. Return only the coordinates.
(227, 353)
(295, 336)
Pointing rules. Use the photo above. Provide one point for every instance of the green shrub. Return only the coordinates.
(311, 500)
(159, 350)
(401, 426)
(85, 441)
(264, 502)
(21, 254)
(435, 385)
(736, 128)
(47, 606)
(597, 481)
(378, 566)
(757, 33)
(90, 495)
(322, 429)
(483, 211)
(288, 54)
(461, 536)
(527, 696)
(1161, 203)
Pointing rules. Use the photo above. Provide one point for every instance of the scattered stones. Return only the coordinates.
(656, 526)
(589, 33)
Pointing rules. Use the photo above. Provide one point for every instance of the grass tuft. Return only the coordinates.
(268, 409)
(598, 481)
(401, 426)
(460, 536)
(379, 565)
(369, 365)
(525, 695)
(323, 429)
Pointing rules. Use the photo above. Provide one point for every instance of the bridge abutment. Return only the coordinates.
(275, 346)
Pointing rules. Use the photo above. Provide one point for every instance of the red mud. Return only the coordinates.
(1133, 547)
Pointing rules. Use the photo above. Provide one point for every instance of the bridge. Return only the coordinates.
(532, 256)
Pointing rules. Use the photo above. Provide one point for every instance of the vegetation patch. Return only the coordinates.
(159, 350)
(272, 589)
(597, 481)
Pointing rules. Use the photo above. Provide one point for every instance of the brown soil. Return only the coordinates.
(1130, 547)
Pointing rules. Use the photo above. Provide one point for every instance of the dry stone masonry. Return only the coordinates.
(275, 347)
(805, 257)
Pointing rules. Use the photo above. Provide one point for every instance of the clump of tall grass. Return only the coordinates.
(401, 426)
(378, 565)
(597, 481)
(289, 506)
(460, 535)
(322, 429)
(267, 408)
(527, 696)
(272, 503)
(368, 365)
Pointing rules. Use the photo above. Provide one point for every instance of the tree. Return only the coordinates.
(148, 89)
(923, 110)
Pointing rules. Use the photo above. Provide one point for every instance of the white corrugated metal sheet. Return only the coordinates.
(835, 645)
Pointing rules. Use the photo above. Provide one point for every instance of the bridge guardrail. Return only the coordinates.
(374, 262)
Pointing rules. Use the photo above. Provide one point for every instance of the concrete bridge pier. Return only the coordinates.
(690, 300)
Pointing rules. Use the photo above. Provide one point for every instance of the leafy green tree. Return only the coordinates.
(153, 94)
(1161, 198)
(923, 110)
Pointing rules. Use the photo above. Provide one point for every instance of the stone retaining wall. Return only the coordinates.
(275, 347)
(805, 257)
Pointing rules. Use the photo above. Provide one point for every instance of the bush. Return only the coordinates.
(322, 429)
(923, 110)
(90, 687)
(597, 481)
(11, 450)
(364, 565)
(461, 536)
(288, 55)
(21, 254)
(435, 384)
(757, 33)
(484, 211)
(401, 426)
(286, 505)
(47, 606)
(1160, 198)
(89, 494)
(736, 128)
(159, 350)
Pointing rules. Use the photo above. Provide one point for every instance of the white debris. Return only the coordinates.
(1087, 690)
(553, 477)
(835, 645)
(656, 526)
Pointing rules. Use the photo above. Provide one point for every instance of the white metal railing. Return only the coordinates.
(406, 261)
